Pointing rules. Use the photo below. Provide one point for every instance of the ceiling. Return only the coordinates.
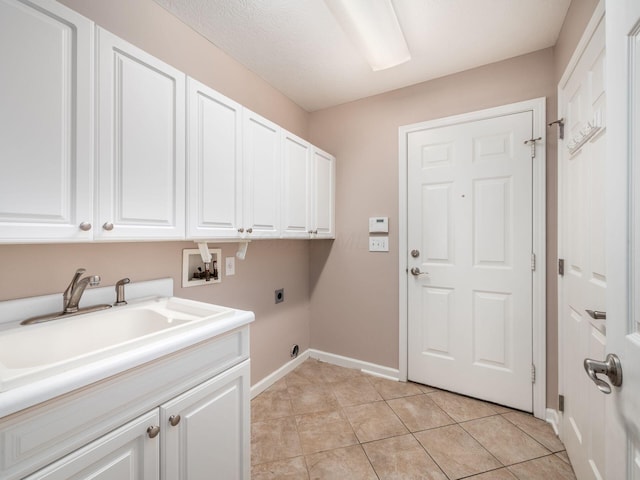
(298, 47)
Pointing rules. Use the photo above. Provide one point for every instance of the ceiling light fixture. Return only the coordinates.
(373, 27)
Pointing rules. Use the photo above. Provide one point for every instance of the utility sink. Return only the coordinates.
(31, 352)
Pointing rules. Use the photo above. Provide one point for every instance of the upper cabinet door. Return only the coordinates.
(262, 176)
(214, 164)
(296, 188)
(323, 205)
(46, 127)
(141, 146)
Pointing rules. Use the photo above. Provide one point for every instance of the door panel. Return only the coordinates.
(582, 225)
(623, 234)
(470, 216)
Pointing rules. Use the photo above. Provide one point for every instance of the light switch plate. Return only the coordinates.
(378, 244)
(230, 266)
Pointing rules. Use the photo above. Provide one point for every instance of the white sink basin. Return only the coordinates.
(30, 352)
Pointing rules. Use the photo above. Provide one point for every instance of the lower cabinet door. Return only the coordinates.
(127, 453)
(205, 431)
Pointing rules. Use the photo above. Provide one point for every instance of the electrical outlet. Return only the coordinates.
(230, 266)
(279, 295)
(378, 244)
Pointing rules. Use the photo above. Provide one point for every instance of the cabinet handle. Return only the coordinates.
(153, 431)
(249, 230)
(310, 232)
(85, 226)
(315, 232)
(240, 230)
(108, 226)
(174, 420)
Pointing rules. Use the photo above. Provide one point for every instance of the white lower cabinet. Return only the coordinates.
(201, 434)
(127, 453)
(183, 417)
(205, 430)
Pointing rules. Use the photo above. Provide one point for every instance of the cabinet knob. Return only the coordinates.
(153, 431)
(315, 232)
(108, 226)
(240, 230)
(174, 420)
(249, 230)
(85, 226)
(310, 232)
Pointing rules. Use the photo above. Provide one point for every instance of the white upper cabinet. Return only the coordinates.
(296, 188)
(323, 194)
(46, 127)
(262, 176)
(214, 164)
(141, 144)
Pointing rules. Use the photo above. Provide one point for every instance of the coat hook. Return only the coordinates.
(560, 128)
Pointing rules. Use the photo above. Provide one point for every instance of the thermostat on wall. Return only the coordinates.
(378, 224)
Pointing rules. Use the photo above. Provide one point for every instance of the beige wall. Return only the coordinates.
(354, 293)
(28, 270)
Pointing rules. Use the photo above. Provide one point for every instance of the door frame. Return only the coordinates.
(538, 107)
(596, 19)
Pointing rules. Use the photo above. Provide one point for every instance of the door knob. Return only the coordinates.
(597, 315)
(611, 367)
(415, 271)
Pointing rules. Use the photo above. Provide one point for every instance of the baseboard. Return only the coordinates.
(272, 378)
(553, 417)
(365, 367)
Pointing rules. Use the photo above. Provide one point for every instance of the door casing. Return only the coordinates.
(537, 106)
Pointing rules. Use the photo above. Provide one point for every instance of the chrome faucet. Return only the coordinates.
(74, 291)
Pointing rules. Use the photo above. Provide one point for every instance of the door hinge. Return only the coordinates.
(533, 262)
(561, 266)
(561, 403)
(533, 373)
(532, 144)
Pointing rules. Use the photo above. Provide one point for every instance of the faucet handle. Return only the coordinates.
(94, 280)
(120, 291)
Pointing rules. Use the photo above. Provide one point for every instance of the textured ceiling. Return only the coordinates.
(298, 47)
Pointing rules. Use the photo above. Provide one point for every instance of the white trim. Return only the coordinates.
(553, 417)
(273, 377)
(365, 367)
(538, 107)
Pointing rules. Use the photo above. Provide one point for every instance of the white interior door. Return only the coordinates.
(583, 287)
(469, 234)
(623, 234)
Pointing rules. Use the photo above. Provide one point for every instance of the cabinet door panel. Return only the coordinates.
(296, 187)
(141, 143)
(262, 176)
(212, 438)
(124, 454)
(214, 163)
(46, 126)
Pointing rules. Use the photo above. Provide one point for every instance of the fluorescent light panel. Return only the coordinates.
(373, 27)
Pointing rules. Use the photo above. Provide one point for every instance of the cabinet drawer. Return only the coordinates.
(32, 438)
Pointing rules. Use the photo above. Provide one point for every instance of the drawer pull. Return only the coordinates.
(153, 431)
(174, 420)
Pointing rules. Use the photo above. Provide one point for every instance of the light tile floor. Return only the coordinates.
(332, 423)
